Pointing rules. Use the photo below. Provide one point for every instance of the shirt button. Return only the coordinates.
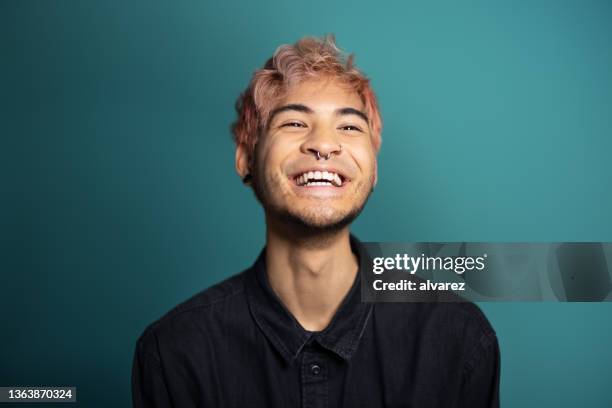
(315, 369)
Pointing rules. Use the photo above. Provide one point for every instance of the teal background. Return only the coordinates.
(119, 197)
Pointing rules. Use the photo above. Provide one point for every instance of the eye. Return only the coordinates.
(293, 124)
(352, 128)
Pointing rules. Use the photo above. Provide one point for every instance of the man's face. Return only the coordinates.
(316, 163)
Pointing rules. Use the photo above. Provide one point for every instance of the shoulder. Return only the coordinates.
(196, 314)
(465, 314)
(427, 313)
(225, 291)
(460, 327)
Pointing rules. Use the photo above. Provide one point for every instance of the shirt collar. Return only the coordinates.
(341, 336)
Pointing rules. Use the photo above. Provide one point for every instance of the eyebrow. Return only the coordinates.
(305, 109)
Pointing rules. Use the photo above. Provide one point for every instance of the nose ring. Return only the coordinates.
(328, 155)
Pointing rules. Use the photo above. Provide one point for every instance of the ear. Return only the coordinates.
(375, 172)
(242, 162)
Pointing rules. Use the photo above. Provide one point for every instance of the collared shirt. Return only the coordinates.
(236, 345)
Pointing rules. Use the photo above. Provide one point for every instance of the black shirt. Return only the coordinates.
(236, 345)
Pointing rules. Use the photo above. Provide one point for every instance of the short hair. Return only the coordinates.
(308, 58)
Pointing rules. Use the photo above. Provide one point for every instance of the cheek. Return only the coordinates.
(270, 159)
(367, 161)
(264, 155)
(277, 153)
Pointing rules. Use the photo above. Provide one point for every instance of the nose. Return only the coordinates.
(321, 144)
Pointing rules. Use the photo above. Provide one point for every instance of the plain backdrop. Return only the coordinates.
(119, 197)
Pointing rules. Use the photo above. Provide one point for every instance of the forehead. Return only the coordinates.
(322, 93)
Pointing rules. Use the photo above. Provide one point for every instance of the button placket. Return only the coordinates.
(314, 380)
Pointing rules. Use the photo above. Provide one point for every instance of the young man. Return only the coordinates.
(291, 331)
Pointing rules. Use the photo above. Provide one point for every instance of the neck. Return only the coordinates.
(310, 272)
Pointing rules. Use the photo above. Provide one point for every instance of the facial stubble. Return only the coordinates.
(310, 222)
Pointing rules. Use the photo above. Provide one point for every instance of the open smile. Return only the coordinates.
(320, 178)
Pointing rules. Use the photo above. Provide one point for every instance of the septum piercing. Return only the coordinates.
(328, 155)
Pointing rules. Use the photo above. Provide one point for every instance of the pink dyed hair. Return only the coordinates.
(306, 59)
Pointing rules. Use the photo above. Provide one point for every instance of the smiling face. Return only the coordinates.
(316, 163)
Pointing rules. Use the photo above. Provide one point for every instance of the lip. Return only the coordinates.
(319, 192)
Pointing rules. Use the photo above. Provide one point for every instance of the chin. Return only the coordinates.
(319, 222)
(321, 219)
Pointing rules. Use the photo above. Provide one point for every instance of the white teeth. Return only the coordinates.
(324, 178)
